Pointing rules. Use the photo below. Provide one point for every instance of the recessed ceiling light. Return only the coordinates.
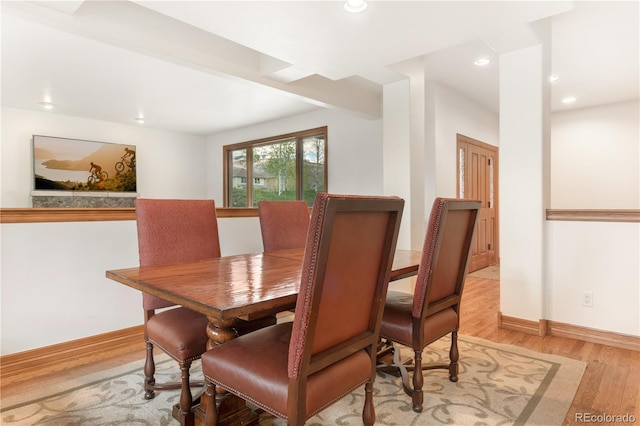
(482, 62)
(140, 119)
(355, 6)
(553, 78)
(568, 100)
(46, 105)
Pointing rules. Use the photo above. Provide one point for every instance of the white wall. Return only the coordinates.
(600, 257)
(52, 274)
(53, 282)
(457, 114)
(595, 157)
(169, 164)
(450, 114)
(546, 266)
(522, 184)
(574, 256)
(595, 165)
(396, 136)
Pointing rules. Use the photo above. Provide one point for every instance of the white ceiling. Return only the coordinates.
(208, 66)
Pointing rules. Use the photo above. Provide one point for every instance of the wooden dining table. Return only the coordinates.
(234, 288)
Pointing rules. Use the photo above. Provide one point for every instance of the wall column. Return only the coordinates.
(405, 170)
(409, 157)
(396, 151)
(524, 136)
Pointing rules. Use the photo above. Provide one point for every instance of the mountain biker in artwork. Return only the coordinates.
(95, 169)
(129, 153)
(97, 174)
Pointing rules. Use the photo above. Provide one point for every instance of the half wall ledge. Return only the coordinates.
(47, 214)
(602, 215)
(41, 215)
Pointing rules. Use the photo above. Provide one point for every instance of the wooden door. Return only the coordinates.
(478, 179)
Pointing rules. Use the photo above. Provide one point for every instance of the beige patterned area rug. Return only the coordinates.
(498, 385)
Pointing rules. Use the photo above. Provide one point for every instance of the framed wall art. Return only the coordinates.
(63, 164)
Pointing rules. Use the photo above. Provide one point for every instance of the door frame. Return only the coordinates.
(461, 142)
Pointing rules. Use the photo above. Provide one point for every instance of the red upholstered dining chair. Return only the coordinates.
(284, 224)
(294, 370)
(172, 231)
(433, 311)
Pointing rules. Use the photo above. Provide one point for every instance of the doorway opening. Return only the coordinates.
(478, 179)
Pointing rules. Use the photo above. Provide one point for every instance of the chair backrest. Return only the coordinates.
(345, 275)
(445, 255)
(284, 224)
(172, 231)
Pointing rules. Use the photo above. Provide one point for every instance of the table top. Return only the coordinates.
(239, 286)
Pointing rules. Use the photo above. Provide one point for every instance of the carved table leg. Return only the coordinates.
(231, 409)
(220, 331)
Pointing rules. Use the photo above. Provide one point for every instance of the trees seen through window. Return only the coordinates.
(286, 167)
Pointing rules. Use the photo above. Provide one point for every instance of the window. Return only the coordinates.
(285, 167)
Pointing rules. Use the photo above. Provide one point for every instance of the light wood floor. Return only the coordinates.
(610, 384)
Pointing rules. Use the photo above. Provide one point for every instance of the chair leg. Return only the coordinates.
(368, 412)
(418, 381)
(186, 399)
(209, 400)
(454, 355)
(149, 371)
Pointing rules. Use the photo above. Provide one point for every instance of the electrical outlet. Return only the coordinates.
(587, 299)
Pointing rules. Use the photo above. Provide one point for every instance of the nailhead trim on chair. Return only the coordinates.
(426, 262)
(246, 397)
(193, 358)
(313, 240)
(277, 413)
